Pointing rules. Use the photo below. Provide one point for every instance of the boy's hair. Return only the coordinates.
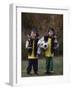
(34, 30)
(52, 29)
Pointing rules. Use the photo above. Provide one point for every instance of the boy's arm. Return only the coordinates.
(56, 44)
(27, 44)
(40, 41)
(39, 46)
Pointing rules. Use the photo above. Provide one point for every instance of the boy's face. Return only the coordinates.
(50, 33)
(33, 35)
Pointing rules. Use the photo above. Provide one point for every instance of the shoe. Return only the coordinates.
(28, 73)
(36, 73)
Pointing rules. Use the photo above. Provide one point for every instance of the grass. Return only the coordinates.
(57, 66)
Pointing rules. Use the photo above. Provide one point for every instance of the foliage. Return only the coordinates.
(42, 22)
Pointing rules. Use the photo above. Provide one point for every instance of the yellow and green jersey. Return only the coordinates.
(48, 52)
(32, 56)
(32, 52)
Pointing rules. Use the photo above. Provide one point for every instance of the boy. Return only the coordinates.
(49, 52)
(49, 44)
(31, 45)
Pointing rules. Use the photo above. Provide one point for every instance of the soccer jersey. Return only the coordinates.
(32, 56)
(48, 52)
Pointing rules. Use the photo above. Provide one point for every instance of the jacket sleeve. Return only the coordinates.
(56, 44)
(27, 44)
(40, 41)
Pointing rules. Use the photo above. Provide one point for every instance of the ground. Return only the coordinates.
(57, 66)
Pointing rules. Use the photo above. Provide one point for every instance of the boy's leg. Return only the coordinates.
(29, 66)
(47, 64)
(51, 64)
(35, 66)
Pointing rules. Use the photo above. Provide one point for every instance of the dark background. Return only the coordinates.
(41, 22)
